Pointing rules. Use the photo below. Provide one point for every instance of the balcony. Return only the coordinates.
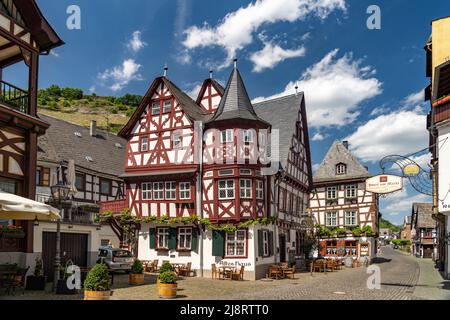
(115, 206)
(14, 97)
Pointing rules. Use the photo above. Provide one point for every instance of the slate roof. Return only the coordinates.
(422, 216)
(281, 113)
(337, 154)
(61, 144)
(235, 103)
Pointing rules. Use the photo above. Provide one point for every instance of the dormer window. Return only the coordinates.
(341, 169)
(248, 136)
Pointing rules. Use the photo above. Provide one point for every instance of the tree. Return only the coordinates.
(72, 93)
(132, 100)
(53, 91)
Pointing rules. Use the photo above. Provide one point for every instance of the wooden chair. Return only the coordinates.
(214, 272)
(154, 266)
(238, 275)
(18, 281)
(186, 270)
(329, 265)
(338, 264)
(319, 265)
(275, 272)
(290, 273)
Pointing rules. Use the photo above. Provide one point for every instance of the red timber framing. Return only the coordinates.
(209, 96)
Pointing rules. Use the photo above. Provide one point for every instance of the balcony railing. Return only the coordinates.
(14, 97)
(116, 206)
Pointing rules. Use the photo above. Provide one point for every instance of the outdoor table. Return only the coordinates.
(227, 271)
(177, 267)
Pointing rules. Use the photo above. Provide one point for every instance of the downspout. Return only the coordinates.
(199, 187)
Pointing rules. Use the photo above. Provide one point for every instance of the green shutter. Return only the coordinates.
(271, 243)
(152, 236)
(260, 243)
(194, 245)
(172, 239)
(218, 243)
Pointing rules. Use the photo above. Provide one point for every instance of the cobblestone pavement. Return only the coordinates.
(400, 273)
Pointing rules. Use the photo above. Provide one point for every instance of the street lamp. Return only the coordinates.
(60, 193)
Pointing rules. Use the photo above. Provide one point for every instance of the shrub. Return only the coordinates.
(166, 267)
(137, 267)
(168, 277)
(357, 232)
(341, 232)
(98, 279)
(39, 268)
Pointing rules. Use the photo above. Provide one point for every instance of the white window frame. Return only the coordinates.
(163, 233)
(226, 136)
(185, 190)
(158, 190)
(183, 234)
(147, 190)
(170, 191)
(259, 189)
(245, 188)
(350, 215)
(235, 242)
(266, 243)
(226, 188)
(176, 140)
(144, 142)
(341, 169)
(156, 106)
(166, 104)
(330, 217)
(248, 136)
(351, 191)
(329, 190)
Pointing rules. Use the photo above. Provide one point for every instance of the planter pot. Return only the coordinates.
(96, 295)
(13, 235)
(62, 288)
(136, 279)
(167, 291)
(36, 283)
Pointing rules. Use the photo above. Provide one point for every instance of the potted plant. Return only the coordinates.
(97, 285)
(37, 281)
(166, 267)
(167, 287)
(136, 276)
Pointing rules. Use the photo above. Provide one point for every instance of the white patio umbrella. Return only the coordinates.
(13, 207)
(71, 177)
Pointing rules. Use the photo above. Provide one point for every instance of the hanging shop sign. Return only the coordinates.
(411, 170)
(384, 184)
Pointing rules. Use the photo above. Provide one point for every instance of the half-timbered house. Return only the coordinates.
(25, 34)
(200, 158)
(343, 207)
(98, 157)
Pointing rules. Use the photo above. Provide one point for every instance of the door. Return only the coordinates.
(283, 248)
(74, 247)
(428, 252)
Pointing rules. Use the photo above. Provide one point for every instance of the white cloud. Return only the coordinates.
(54, 53)
(193, 93)
(423, 160)
(118, 77)
(379, 110)
(401, 203)
(272, 54)
(235, 31)
(318, 137)
(136, 43)
(315, 167)
(334, 89)
(401, 132)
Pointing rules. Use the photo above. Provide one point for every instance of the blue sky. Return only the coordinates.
(362, 85)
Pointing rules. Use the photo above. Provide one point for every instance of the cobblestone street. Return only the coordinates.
(403, 277)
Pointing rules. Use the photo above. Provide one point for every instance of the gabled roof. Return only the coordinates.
(282, 113)
(214, 83)
(192, 110)
(235, 103)
(422, 215)
(338, 154)
(61, 144)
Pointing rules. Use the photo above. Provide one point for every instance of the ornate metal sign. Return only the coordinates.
(384, 184)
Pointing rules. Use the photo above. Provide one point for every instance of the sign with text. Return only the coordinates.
(384, 184)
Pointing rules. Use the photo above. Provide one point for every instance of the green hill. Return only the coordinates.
(385, 224)
(72, 105)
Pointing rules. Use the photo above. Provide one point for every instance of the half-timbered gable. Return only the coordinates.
(210, 95)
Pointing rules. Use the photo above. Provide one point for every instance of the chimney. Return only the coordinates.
(345, 143)
(93, 130)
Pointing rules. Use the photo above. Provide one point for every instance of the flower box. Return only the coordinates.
(12, 235)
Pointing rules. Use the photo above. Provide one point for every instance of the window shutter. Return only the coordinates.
(152, 236)
(172, 239)
(260, 243)
(271, 243)
(218, 243)
(194, 245)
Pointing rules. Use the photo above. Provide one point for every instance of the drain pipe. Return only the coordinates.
(199, 142)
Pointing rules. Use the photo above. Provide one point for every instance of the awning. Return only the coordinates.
(13, 207)
(176, 173)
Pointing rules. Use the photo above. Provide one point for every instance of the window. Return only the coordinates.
(226, 136)
(146, 191)
(104, 243)
(245, 188)
(351, 191)
(226, 189)
(43, 177)
(332, 193)
(331, 219)
(259, 189)
(163, 238)
(282, 200)
(266, 243)
(228, 172)
(185, 190)
(105, 187)
(171, 191)
(236, 243)
(341, 169)
(156, 108)
(158, 190)
(184, 238)
(176, 139)
(351, 248)
(167, 106)
(80, 182)
(144, 144)
(245, 172)
(350, 218)
(248, 136)
(332, 248)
